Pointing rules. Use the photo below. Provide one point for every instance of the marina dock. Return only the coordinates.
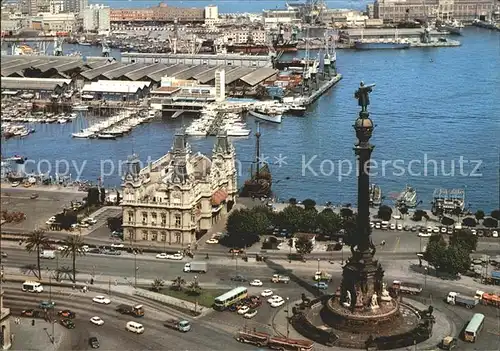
(323, 88)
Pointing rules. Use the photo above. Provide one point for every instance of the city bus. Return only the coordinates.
(474, 327)
(225, 300)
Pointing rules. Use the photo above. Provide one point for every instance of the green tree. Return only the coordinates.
(303, 245)
(73, 246)
(490, 222)
(157, 284)
(309, 222)
(194, 288)
(93, 196)
(384, 213)
(465, 239)
(291, 218)
(447, 221)
(403, 210)
(178, 283)
(309, 204)
(455, 260)
(244, 227)
(36, 242)
(435, 251)
(469, 222)
(292, 201)
(329, 223)
(346, 212)
(495, 214)
(479, 215)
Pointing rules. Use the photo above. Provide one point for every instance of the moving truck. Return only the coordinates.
(196, 267)
(454, 298)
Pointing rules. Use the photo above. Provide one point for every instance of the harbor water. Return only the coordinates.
(436, 116)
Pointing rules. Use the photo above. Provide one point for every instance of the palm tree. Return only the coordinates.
(194, 288)
(157, 284)
(178, 283)
(36, 242)
(73, 246)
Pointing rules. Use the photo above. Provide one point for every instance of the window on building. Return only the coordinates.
(144, 235)
(163, 236)
(130, 216)
(178, 238)
(177, 220)
(163, 219)
(154, 235)
(144, 217)
(154, 218)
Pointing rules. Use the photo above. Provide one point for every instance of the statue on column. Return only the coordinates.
(362, 94)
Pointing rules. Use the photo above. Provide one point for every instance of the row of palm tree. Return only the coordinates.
(37, 241)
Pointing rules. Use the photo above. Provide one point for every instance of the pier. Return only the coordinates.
(323, 88)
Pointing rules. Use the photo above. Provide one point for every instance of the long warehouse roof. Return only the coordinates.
(237, 73)
(120, 71)
(144, 71)
(96, 72)
(190, 73)
(259, 75)
(32, 83)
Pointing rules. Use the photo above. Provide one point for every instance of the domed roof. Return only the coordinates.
(363, 123)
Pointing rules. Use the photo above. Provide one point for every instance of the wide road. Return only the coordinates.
(112, 335)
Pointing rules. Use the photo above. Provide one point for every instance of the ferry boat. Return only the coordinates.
(375, 195)
(266, 114)
(297, 110)
(408, 197)
(368, 44)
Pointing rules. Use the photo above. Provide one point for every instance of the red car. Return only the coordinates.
(67, 314)
(30, 313)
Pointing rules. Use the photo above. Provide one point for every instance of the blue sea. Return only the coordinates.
(437, 126)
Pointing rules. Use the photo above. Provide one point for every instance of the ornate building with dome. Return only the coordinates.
(178, 195)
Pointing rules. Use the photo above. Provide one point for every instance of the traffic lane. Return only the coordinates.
(207, 337)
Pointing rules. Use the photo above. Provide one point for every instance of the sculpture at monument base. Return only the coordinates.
(374, 303)
(385, 294)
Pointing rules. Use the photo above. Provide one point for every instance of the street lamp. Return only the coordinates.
(135, 269)
(317, 283)
(425, 277)
(51, 310)
(288, 318)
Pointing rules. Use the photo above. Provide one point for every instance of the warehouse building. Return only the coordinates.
(113, 90)
(38, 88)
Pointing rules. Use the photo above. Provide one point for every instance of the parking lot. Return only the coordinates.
(38, 210)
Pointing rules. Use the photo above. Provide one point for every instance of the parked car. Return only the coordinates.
(117, 246)
(67, 314)
(162, 256)
(250, 314)
(238, 278)
(277, 303)
(243, 309)
(30, 313)
(321, 285)
(67, 323)
(46, 304)
(267, 292)
(4, 254)
(424, 235)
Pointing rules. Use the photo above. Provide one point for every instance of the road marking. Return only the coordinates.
(396, 246)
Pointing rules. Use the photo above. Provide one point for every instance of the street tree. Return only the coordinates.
(328, 222)
(244, 227)
(303, 246)
(178, 283)
(73, 246)
(291, 219)
(309, 222)
(490, 222)
(346, 212)
(435, 251)
(194, 288)
(447, 221)
(157, 284)
(469, 222)
(479, 215)
(455, 260)
(403, 209)
(292, 201)
(36, 242)
(309, 204)
(384, 212)
(495, 214)
(465, 239)
(30, 268)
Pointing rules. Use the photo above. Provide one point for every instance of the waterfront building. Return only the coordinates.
(161, 13)
(41, 88)
(49, 22)
(96, 18)
(56, 6)
(245, 35)
(220, 85)
(112, 90)
(211, 15)
(178, 195)
(462, 10)
(343, 17)
(76, 6)
(273, 18)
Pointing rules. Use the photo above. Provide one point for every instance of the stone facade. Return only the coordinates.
(178, 195)
(5, 342)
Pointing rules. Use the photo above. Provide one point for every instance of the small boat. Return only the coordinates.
(297, 110)
(82, 134)
(80, 107)
(408, 197)
(106, 136)
(63, 120)
(83, 43)
(15, 184)
(268, 115)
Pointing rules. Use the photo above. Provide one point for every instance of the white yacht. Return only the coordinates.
(82, 134)
(80, 107)
(267, 114)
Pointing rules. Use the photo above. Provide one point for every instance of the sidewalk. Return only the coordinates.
(37, 337)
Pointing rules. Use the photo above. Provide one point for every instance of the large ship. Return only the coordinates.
(377, 44)
(254, 48)
(260, 182)
(452, 26)
(375, 195)
(447, 201)
(408, 197)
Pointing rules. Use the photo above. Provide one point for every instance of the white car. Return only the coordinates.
(396, 216)
(435, 230)
(274, 298)
(212, 241)
(449, 231)
(101, 300)
(256, 282)
(429, 229)
(424, 235)
(62, 248)
(494, 234)
(473, 231)
(162, 256)
(84, 225)
(393, 226)
(243, 310)
(117, 246)
(90, 220)
(176, 256)
(277, 303)
(400, 227)
(267, 292)
(96, 320)
(377, 226)
(443, 230)
(372, 224)
(250, 314)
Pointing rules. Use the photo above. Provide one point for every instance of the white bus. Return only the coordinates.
(474, 327)
(31, 286)
(229, 298)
